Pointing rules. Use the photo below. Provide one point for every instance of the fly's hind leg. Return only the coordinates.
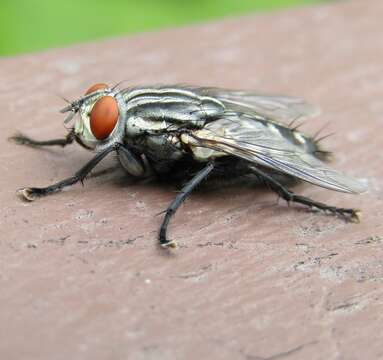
(185, 192)
(31, 193)
(352, 215)
(25, 140)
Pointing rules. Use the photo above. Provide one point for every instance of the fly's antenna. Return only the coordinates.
(72, 108)
(69, 118)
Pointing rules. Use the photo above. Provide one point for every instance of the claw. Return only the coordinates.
(351, 215)
(27, 194)
(356, 216)
(170, 244)
(18, 139)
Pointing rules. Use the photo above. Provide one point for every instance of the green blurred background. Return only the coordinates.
(30, 25)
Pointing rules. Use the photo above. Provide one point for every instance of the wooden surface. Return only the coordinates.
(80, 273)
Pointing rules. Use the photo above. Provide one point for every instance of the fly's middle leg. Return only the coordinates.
(22, 139)
(31, 193)
(352, 215)
(185, 192)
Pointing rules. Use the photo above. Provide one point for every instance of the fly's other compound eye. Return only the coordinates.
(103, 117)
(96, 87)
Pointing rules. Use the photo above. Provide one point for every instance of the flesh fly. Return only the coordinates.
(196, 132)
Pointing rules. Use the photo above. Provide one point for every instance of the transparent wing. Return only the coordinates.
(261, 143)
(277, 108)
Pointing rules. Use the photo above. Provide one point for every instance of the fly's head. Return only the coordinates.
(98, 116)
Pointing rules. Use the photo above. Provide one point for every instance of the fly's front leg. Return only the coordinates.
(32, 193)
(352, 215)
(185, 192)
(25, 140)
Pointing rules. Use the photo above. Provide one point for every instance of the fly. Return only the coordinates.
(193, 133)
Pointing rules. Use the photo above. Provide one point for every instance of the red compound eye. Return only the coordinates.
(96, 87)
(103, 117)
